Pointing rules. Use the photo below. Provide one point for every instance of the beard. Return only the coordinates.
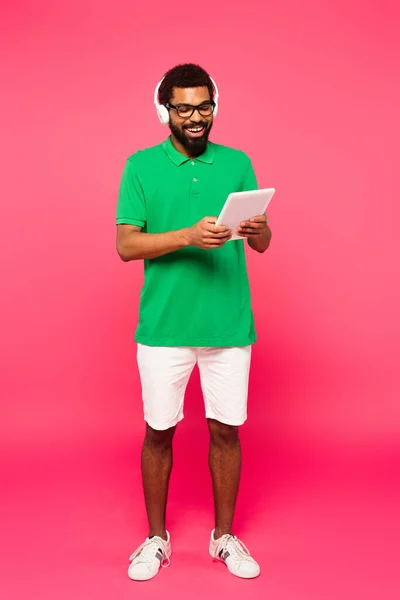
(194, 146)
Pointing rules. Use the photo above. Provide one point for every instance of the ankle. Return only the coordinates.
(220, 531)
(162, 533)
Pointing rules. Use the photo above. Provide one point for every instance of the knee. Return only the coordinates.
(223, 434)
(161, 439)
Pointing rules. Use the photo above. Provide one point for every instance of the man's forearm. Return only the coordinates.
(138, 245)
(260, 243)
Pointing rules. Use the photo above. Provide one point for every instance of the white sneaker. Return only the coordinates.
(235, 555)
(149, 557)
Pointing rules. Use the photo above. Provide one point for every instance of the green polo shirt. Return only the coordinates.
(191, 297)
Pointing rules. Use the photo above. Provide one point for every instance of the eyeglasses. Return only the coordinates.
(185, 111)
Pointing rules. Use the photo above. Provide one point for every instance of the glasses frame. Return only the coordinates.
(194, 108)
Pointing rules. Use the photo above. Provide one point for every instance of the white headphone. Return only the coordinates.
(163, 112)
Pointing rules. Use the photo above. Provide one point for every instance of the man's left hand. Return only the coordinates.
(255, 227)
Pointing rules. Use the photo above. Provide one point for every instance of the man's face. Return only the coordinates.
(191, 131)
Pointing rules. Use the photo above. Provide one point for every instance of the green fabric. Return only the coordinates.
(190, 297)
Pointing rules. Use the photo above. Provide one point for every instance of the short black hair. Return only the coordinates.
(184, 76)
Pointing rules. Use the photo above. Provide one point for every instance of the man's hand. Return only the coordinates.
(254, 228)
(257, 232)
(206, 235)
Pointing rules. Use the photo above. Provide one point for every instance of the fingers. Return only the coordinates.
(209, 225)
(216, 240)
(249, 233)
(255, 223)
(253, 227)
(258, 219)
(213, 236)
(215, 229)
(218, 236)
(214, 245)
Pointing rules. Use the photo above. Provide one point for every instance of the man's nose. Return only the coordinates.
(196, 116)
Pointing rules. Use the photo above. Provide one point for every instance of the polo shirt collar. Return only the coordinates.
(178, 159)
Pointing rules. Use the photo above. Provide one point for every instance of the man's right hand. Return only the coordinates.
(206, 235)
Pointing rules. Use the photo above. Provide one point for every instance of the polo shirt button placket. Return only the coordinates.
(195, 182)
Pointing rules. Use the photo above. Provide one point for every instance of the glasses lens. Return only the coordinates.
(206, 109)
(184, 111)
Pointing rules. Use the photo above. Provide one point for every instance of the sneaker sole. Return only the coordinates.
(220, 560)
(148, 578)
(143, 578)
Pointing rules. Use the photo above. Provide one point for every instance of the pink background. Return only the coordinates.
(311, 91)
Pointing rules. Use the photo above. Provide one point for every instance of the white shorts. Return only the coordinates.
(165, 372)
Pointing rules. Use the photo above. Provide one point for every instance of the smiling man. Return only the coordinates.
(195, 304)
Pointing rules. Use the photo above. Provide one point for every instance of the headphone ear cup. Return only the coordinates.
(163, 114)
(216, 96)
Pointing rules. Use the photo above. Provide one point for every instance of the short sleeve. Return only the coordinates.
(250, 180)
(131, 205)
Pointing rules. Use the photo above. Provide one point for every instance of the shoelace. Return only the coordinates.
(234, 546)
(148, 550)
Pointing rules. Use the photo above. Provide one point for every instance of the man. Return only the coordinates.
(195, 304)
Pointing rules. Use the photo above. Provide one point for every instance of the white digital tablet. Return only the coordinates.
(242, 206)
